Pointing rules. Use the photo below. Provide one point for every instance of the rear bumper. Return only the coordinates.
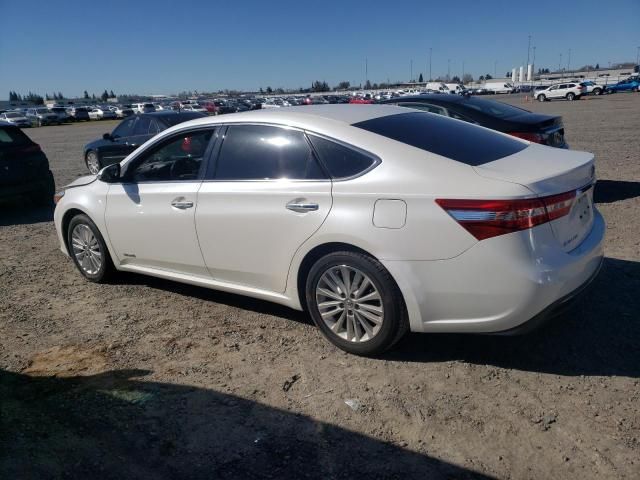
(499, 284)
(32, 186)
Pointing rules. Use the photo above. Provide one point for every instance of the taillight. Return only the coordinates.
(490, 218)
(532, 137)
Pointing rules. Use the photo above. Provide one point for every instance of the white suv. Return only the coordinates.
(570, 91)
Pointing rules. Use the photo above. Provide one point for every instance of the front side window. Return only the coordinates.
(258, 152)
(178, 158)
(125, 129)
(425, 107)
(142, 126)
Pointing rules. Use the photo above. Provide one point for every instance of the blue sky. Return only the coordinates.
(160, 46)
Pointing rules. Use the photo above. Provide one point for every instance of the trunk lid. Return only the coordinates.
(546, 172)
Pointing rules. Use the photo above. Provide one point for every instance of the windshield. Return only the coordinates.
(12, 115)
(42, 110)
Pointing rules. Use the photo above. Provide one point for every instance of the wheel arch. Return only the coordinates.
(66, 220)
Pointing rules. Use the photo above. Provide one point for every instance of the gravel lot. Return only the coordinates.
(145, 378)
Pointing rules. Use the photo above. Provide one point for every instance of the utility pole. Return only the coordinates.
(528, 50)
(411, 76)
(448, 68)
(366, 70)
(560, 63)
(430, 51)
(569, 61)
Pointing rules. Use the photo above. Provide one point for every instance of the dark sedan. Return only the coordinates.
(24, 168)
(535, 127)
(129, 135)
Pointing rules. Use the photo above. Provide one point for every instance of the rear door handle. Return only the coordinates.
(181, 203)
(301, 206)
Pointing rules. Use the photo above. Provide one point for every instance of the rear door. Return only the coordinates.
(265, 195)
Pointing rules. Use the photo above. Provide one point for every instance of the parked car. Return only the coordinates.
(15, 118)
(143, 107)
(24, 168)
(569, 90)
(123, 111)
(397, 220)
(62, 114)
(628, 85)
(194, 107)
(361, 100)
(102, 114)
(129, 135)
(534, 127)
(592, 88)
(42, 116)
(78, 114)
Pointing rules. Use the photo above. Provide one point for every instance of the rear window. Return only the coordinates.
(13, 137)
(456, 140)
(177, 118)
(495, 109)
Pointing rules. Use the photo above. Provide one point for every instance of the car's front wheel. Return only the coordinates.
(541, 98)
(571, 96)
(355, 303)
(93, 162)
(88, 250)
(597, 91)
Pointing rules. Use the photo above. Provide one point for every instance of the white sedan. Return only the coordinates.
(101, 114)
(375, 219)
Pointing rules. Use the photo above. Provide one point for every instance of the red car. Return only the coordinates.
(361, 100)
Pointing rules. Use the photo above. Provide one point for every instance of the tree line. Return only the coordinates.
(39, 99)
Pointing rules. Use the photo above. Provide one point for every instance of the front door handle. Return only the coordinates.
(181, 203)
(300, 205)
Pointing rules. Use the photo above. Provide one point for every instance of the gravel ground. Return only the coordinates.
(145, 378)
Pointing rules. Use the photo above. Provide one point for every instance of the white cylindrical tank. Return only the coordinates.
(529, 72)
(513, 74)
(521, 74)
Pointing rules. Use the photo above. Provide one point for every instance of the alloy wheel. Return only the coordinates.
(93, 164)
(349, 303)
(86, 249)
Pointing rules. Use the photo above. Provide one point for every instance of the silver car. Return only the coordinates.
(42, 116)
(15, 118)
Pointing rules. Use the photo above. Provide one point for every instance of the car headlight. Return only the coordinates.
(58, 196)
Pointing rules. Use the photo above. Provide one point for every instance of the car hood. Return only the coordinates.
(80, 181)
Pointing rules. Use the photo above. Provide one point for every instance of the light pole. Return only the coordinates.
(411, 69)
(569, 61)
(495, 69)
(448, 68)
(528, 50)
(560, 64)
(366, 70)
(430, 52)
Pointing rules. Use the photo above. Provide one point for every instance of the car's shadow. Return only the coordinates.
(115, 426)
(17, 212)
(608, 191)
(599, 336)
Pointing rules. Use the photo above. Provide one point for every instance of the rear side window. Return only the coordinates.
(257, 152)
(341, 161)
(13, 137)
(458, 141)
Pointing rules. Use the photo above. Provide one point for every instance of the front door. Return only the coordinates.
(267, 195)
(150, 215)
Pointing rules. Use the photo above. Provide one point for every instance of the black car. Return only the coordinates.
(535, 127)
(130, 134)
(24, 168)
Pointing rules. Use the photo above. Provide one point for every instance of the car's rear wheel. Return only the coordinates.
(93, 162)
(541, 98)
(355, 303)
(571, 96)
(597, 91)
(88, 250)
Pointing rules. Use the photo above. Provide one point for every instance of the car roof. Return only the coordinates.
(438, 97)
(343, 113)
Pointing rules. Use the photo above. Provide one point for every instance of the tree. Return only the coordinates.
(86, 95)
(104, 96)
(319, 86)
(367, 85)
(344, 86)
(467, 78)
(597, 66)
(93, 96)
(269, 90)
(60, 96)
(488, 77)
(111, 94)
(481, 78)
(47, 97)
(420, 79)
(455, 79)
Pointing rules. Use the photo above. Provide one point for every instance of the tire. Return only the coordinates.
(93, 162)
(82, 237)
(355, 332)
(597, 91)
(571, 96)
(542, 98)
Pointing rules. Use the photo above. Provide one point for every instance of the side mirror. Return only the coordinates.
(110, 173)
(107, 136)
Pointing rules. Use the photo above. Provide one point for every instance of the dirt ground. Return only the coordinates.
(145, 378)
